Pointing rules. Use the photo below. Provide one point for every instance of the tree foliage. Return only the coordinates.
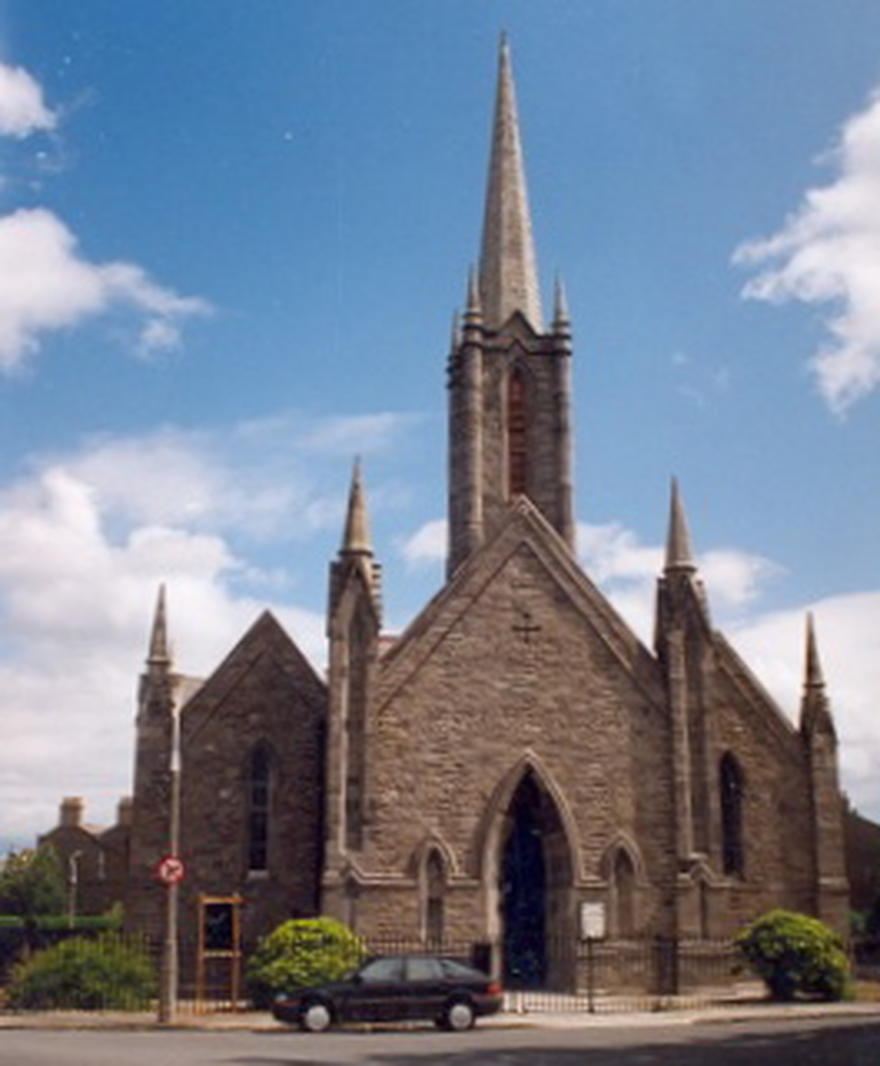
(32, 883)
(110, 972)
(794, 954)
(300, 952)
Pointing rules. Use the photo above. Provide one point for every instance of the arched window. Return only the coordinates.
(624, 886)
(259, 795)
(434, 890)
(517, 455)
(731, 785)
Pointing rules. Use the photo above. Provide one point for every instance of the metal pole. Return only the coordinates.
(72, 878)
(591, 977)
(168, 976)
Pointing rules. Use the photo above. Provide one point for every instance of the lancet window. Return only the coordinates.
(434, 891)
(259, 802)
(624, 883)
(731, 786)
(517, 422)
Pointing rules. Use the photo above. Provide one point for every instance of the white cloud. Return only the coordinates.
(262, 478)
(627, 570)
(827, 253)
(85, 539)
(427, 545)
(158, 335)
(45, 285)
(849, 647)
(735, 578)
(22, 110)
(610, 552)
(355, 434)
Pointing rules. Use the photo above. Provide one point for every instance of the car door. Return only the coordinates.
(424, 987)
(376, 993)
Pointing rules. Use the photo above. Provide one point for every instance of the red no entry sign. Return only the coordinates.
(170, 870)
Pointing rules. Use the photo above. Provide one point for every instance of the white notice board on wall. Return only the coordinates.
(593, 920)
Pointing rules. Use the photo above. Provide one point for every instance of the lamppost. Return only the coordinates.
(170, 872)
(72, 879)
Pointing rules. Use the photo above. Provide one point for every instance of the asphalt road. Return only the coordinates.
(780, 1043)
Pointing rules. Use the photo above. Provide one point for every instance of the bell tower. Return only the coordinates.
(509, 379)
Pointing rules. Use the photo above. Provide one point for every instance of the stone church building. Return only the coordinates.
(517, 761)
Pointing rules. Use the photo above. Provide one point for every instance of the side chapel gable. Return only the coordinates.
(265, 640)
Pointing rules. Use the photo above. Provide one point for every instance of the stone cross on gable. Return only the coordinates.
(526, 626)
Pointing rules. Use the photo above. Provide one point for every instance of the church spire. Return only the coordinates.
(356, 538)
(508, 274)
(679, 553)
(813, 677)
(815, 707)
(159, 653)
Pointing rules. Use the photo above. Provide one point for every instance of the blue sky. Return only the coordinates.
(232, 237)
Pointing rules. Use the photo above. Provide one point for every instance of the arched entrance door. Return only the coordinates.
(534, 890)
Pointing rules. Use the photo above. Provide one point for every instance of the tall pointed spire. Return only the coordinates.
(508, 274)
(356, 538)
(159, 653)
(816, 717)
(813, 677)
(679, 553)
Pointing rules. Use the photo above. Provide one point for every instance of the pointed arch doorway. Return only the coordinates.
(534, 890)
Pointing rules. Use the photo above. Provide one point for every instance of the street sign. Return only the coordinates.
(170, 870)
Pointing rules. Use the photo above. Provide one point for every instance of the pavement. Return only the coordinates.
(261, 1021)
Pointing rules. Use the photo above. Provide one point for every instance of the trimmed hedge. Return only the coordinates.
(51, 922)
(19, 936)
(110, 972)
(300, 952)
(795, 954)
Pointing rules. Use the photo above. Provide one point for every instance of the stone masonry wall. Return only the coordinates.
(264, 693)
(282, 708)
(777, 821)
(485, 697)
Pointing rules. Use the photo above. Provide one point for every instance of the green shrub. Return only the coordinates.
(21, 937)
(108, 973)
(793, 954)
(303, 951)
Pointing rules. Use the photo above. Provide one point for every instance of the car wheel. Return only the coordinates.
(458, 1016)
(315, 1017)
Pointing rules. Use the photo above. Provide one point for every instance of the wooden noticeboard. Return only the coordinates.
(219, 939)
